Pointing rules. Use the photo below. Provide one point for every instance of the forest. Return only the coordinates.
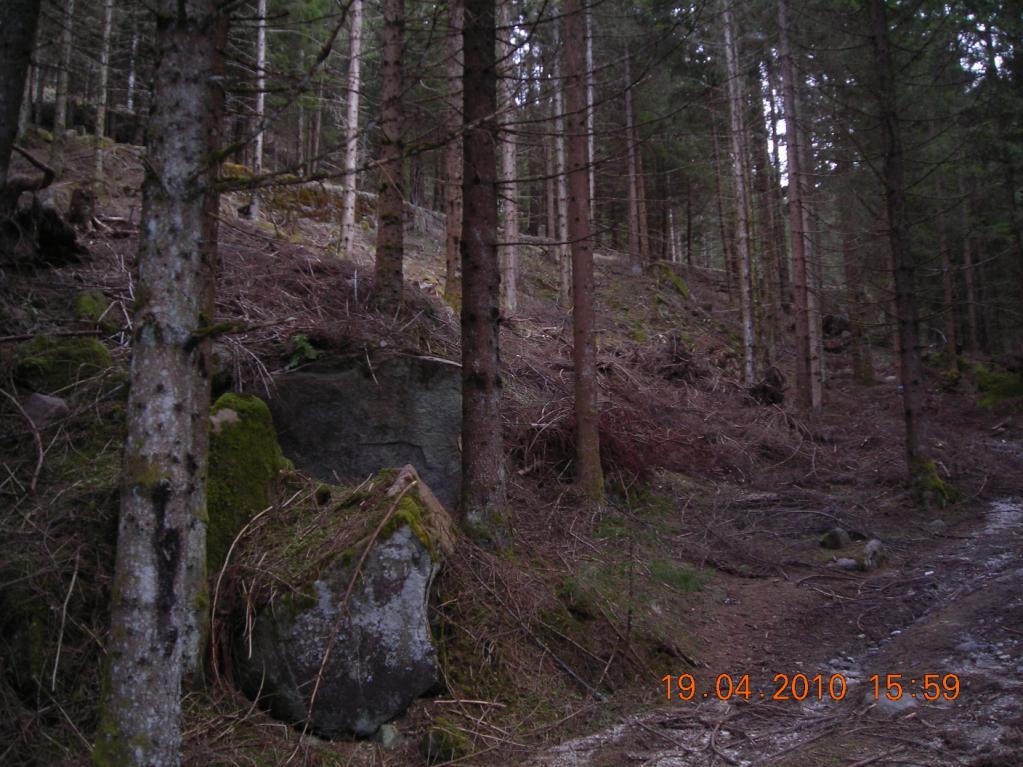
(555, 383)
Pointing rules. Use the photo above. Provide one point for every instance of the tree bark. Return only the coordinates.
(63, 76)
(898, 235)
(561, 186)
(852, 263)
(589, 476)
(260, 107)
(590, 115)
(351, 129)
(390, 236)
(162, 497)
(632, 172)
(101, 100)
(972, 325)
(947, 275)
(804, 394)
(741, 197)
(483, 507)
(509, 191)
(453, 154)
(17, 36)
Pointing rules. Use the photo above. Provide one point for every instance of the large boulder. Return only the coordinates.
(343, 419)
(350, 649)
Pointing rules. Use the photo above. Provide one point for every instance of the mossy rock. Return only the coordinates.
(245, 459)
(930, 490)
(48, 364)
(663, 273)
(997, 386)
(92, 306)
(443, 742)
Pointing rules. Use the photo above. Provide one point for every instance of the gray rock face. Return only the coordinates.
(380, 653)
(339, 419)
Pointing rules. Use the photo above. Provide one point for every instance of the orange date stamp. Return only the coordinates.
(817, 687)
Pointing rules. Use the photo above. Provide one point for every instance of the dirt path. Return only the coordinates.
(951, 604)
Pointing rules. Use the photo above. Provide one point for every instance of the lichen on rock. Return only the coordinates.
(358, 591)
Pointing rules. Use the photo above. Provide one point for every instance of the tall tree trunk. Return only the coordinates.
(564, 260)
(133, 47)
(813, 269)
(898, 235)
(17, 35)
(644, 220)
(972, 326)
(63, 79)
(632, 172)
(590, 115)
(804, 390)
(162, 497)
(25, 111)
(453, 154)
(947, 276)
(390, 243)
(316, 126)
(741, 197)
(509, 191)
(101, 100)
(589, 476)
(351, 129)
(260, 110)
(852, 262)
(483, 467)
(689, 222)
(727, 245)
(785, 285)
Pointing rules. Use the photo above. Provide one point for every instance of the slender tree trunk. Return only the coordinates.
(133, 47)
(564, 260)
(972, 326)
(898, 234)
(852, 262)
(162, 497)
(104, 76)
(63, 75)
(25, 111)
(260, 110)
(635, 251)
(483, 467)
(785, 285)
(813, 272)
(590, 115)
(644, 220)
(351, 129)
(741, 198)
(947, 276)
(551, 190)
(390, 237)
(804, 388)
(509, 191)
(727, 246)
(589, 476)
(453, 152)
(689, 222)
(317, 124)
(17, 35)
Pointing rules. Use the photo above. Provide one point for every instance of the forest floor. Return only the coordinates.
(705, 561)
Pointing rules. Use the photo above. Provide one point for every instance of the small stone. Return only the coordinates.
(936, 526)
(846, 563)
(893, 708)
(43, 409)
(874, 554)
(836, 538)
(389, 736)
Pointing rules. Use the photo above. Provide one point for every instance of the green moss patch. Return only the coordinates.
(667, 276)
(930, 490)
(996, 386)
(49, 364)
(245, 459)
